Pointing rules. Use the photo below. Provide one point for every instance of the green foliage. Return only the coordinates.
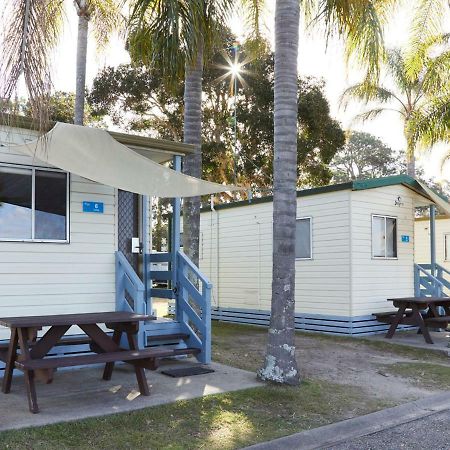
(60, 108)
(168, 34)
(421, 95)
(137, 100)
(365, 156)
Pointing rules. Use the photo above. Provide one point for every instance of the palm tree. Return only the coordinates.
(31, 32)
(360, 23)
(177, 36)
(105, 16)
(420, 96)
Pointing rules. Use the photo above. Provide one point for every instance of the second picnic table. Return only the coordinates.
(106, 348)
(410, 313)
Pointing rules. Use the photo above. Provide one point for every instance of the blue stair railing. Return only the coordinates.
(442, 274)
(425, 284)
(193, 305)
(174, 276)
(130, 291)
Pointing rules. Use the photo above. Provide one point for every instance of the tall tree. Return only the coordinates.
(364, 156)
(177, 36)
(135, 99)
(359, 22)
(420, 96)
(281, 365)
(105, 16)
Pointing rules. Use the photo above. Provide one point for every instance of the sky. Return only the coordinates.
(316, 58)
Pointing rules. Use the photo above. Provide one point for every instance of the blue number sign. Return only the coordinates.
(405, 238)
(93, 207)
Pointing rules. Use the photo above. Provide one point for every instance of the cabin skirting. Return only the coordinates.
(321, 323)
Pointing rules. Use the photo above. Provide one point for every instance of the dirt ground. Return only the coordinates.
(344, 360)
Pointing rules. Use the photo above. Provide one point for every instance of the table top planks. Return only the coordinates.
(73, 319)
(421, 300)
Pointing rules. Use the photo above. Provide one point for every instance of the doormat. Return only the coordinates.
(186, 371)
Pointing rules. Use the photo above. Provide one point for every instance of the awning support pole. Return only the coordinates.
(176, 215)
(433, 239)
(146, 239)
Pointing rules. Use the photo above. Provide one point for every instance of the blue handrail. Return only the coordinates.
(425, 284)
(128, 284)
(193, 305)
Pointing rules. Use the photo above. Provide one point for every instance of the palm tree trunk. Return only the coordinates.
(193, 163)
(410, 156)
(83, 25)
(280, 364)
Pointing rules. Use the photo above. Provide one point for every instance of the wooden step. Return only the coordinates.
(101, 358)
(167, 337)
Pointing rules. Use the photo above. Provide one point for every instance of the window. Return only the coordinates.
(384, 237)
(447, 247)
(303, 242)
(33, 204)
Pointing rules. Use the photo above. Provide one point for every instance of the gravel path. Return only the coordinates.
(428, 433)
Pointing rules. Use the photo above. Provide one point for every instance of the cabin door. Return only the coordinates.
(128, 226)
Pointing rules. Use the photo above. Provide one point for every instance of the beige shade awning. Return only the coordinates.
(94, 154)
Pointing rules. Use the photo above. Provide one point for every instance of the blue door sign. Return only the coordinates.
(93, 207)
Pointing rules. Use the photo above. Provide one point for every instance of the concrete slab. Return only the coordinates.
(78, 394)
(441, 340)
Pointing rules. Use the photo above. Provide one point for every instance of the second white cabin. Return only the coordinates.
(355, 249)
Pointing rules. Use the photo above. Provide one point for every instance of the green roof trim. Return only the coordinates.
(356, 185)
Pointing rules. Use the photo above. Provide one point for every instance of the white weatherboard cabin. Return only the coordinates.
(355, 249)
(70, 204)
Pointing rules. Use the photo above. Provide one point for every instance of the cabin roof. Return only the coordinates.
(356, 185)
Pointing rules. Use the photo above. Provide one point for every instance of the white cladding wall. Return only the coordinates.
(422, 247)
(46, 278)
(236, 254)
(375, 280)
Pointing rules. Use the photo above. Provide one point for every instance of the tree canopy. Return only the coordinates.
(137, 100)
(365, 156)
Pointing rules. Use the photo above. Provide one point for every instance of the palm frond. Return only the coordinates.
(427, 23)
(106, 17)
(361, 23)
(30, 31)
(396, 67)
(435, 76)
(366, 92)
(373, 114)
(431, 123)
(167, 33)
(253, 10)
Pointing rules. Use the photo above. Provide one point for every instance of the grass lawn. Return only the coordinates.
(225, 421)
(237, 419)
(422, 374)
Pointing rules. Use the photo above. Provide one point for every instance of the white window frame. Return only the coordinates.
(310, 237)
(385, 216)
(446, 256)
(33, 177)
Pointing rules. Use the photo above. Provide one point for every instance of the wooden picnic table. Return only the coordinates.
(28, 353)
(409, 312)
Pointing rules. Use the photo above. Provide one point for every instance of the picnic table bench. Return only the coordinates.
(409, 312)
(107, 350)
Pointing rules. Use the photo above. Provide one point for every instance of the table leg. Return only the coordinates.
(421, 324)
(10, 361)
(397, 319)
(140, 372)
(109, 367)
(28, 374)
